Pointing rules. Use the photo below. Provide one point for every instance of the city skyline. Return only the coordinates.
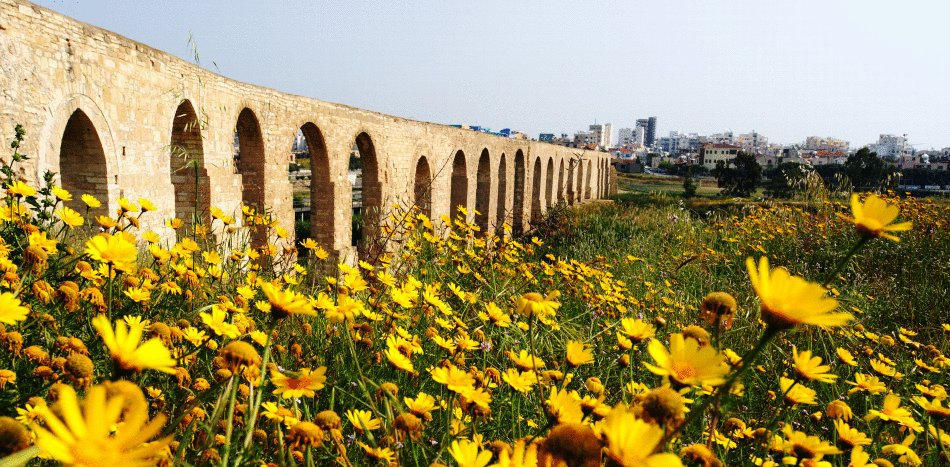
(851, 70)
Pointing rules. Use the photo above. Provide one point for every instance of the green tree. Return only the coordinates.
(784, 179)
(740, 176)
(868, 171)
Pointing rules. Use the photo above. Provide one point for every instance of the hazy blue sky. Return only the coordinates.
(787, 69)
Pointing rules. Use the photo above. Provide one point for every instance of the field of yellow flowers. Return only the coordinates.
(809, 335)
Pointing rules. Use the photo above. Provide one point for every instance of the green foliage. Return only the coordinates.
(869, 172)
(739, 177)
(785, 179)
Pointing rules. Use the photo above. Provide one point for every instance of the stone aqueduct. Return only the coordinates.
(118, 119)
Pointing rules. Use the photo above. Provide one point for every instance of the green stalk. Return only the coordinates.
(854, 250)
(227, 444)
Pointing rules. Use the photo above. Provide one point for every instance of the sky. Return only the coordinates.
(788, 70)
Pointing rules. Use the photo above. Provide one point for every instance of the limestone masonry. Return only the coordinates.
(118, 119)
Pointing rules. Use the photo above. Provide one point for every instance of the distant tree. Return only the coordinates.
(689, 185)
(783, 179)
(868, 171)
(667, 167)
(740, 176)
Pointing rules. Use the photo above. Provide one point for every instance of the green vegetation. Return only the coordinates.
(585, 342)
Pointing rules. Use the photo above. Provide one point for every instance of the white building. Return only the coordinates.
(603, 134)
(891, 146)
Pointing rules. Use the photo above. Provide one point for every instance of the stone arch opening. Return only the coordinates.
(549, 184)
(560, 183)
(313, 190)
(82, 163)
(500, 212)
(536, 192)
(189, 175)
(483, 191)
(589, 179)
(519, 192)
(422, 189)
(367, 196)
(580, 180)
(249, 162)
(459, 193)
(571, 167)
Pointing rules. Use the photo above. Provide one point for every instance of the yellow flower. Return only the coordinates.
(91, 201)
(534, 303)
(687, 363)
(467, 454)
(524, 361)
(146, 205)
(304, 383)
(69, 217)
(123, 343)
(61, 194)
(873, 217)
(867, 383)
(579, 354)
(809, 367)
(796, 393)
(519, 381)
(565, 406)
(18, 189)
(907, 455)
(10, 309)
(787, 301)
(112, 250)
(632, 442)
(399, 360)
(637, 330)
(217, 322)
(455, 379)
(84, 439)
(805, 446)
(892, 411)
(521, 456)
(363, 420)
(284, 303)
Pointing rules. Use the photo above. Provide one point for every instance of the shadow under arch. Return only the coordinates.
(536, 192)
(501, 214)
(458, 196)
(483, 191)
(82, 164)
(249, 163)
(422, 187)
(366, 230)
(322, 199)
(189, 176)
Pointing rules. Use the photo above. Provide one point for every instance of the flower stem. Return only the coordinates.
(854, 250)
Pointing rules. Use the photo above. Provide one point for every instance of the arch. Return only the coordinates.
(483, 191)
(249, 162)
(500, 210)
(536, 192)
(189, 175)
(571, 191)
(422, 189)
(589, 179)
(560, 183)
(321, 191)
(549, 184)
(82, 163)
(365, 236)
(459, 191)
(519, 192)
(580, 180)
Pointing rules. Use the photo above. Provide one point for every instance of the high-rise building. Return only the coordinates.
(649, 130)
(602, 134)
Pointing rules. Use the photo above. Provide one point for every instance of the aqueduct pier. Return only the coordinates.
(118, 119)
